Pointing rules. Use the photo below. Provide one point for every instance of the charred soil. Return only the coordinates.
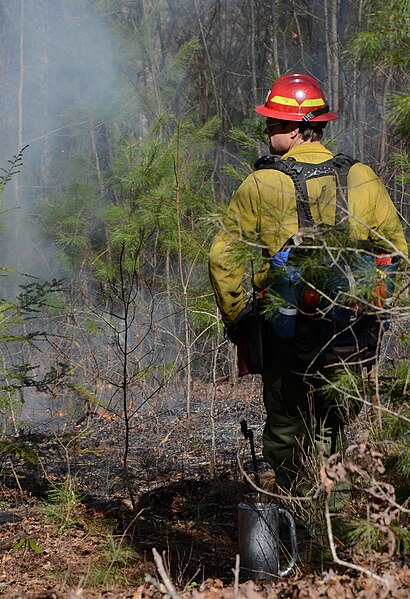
(68, 527)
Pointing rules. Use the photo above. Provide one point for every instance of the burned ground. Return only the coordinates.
(69, 530)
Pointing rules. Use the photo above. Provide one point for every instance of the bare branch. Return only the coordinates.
(164, 575)
(341, 562)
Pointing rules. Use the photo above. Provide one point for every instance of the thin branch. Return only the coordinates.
(282, 496)
(341, 562)
(164, 575)
(236, 577)
(365, 402)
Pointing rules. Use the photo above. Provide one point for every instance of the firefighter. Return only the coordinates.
(263, 213)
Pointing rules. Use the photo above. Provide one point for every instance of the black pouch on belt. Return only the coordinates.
(246, 333)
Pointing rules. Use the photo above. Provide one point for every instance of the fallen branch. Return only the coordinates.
(156, 584)
(341, 562)
(236, 577)
(164, 575)
(10, 542)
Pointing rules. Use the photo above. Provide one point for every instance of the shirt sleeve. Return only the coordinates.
(373, 213)
(230, 251)
(388, 221)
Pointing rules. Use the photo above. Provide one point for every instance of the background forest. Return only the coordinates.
(126, 125)
(139, 122)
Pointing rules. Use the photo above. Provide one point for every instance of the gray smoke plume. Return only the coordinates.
(58, 71)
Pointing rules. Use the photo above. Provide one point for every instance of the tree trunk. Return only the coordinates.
(332, 54)
(21, 80)
(383, 127)
(274, 37)
(252, 52)
(18, 230)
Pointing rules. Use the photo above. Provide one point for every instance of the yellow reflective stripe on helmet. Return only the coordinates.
(292, 102)
(285, 101)
(315, 102)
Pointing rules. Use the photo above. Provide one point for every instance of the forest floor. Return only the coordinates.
(68, 527)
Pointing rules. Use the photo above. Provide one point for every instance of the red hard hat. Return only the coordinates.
(296, 97)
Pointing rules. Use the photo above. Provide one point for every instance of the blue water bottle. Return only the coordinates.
(285, 283)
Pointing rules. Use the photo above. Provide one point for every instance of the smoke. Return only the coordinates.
(58, 74)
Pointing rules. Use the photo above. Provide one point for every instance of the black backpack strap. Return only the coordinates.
(295, 170)
(300, 172)
(342, 164)
(339, 167)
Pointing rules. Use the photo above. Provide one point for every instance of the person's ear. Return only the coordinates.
(294, 129)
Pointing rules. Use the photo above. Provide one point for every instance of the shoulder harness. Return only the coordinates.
(300, 172)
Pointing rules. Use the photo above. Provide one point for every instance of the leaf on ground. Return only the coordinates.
(326, 481)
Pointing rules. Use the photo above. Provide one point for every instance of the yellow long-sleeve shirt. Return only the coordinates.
(262, 213)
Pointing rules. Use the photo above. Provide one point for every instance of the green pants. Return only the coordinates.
(298, 419)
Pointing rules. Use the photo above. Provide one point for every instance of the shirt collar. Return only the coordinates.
(307, 148)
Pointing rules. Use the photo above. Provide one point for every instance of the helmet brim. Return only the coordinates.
(294, 116)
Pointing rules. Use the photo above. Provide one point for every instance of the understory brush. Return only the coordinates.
(363, 496)
(63, 504)
(115, 558)
(65, 510)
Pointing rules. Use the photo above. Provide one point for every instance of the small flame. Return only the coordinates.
(106, 415)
